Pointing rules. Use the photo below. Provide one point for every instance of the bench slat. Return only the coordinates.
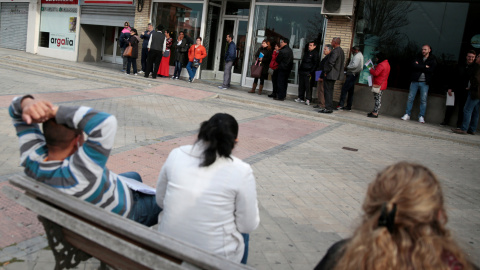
(129, 230)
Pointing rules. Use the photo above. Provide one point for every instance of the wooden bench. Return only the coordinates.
(77, 230)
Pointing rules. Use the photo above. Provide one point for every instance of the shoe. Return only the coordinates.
(145, 76)
(154, 77)
(421, 120)
(222, 87)
(459, 131)
(372, 115)
(443, 123)
(298, 100)
(176, 78)
(141, 72)
(325, 111)
(279, 99)
(471, 132)
(316, 106)
(127, 73)
(272, 96)
(405, 117)
(347, 109)
(189, 80)
(339, 108)
(135, 74)
(123, 70)
(307, 102)
(172, 78)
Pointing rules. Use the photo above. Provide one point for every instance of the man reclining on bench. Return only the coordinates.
(60, 158)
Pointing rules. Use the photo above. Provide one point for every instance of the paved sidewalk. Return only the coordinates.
(309, 188)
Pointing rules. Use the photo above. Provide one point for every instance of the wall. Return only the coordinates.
(90, 43)
(141, 21)
(342, 27)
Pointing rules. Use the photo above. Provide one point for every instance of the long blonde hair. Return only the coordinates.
(417, 237)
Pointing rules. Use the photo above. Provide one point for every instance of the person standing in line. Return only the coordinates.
(320, 92)
(423, 67)
(459, 85)
(181, 49)
(195, 55)
(230, 56)
(164, 69)
(273, 71)
(266, 50)
(156, 47)
(380, 77)
(333, 72)
(146, 37)
(353, 70)
(307, 68)
(124, 38)
(132, 60)
(472, 105)
(285, 64)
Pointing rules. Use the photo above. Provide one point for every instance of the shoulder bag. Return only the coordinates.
(256, 70)
(128, 51)
(376, 87)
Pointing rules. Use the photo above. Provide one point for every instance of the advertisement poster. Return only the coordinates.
(60, 23)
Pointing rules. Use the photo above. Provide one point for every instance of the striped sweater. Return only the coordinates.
(84, 173)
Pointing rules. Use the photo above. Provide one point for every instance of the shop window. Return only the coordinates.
(58, 24)
(299, 24)
(237, 8)
(176, 17)
(402, 27)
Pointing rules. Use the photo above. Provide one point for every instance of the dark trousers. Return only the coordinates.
(460, 99)
(282, 83)
(274, 83)
(144, 59)
(154, 57)
(262, 80)
(131, 62)
(304, 85)
(328, 90)
(178, 69)
(348, 88)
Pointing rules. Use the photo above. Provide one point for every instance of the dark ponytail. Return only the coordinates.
(219, 134)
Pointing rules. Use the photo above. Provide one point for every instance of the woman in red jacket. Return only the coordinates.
(195, 55)
(380, 77)
(273, 66)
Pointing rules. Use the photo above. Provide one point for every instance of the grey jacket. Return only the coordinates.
(335, 65)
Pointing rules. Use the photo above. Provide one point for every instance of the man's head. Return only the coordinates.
(60, 138)
(160, 27)
(229, 38)
(426, 49)
(199, 40)
(355, 49)
(336, 42)
(327, 49)
(471, 56)
(181, 35)
(312, 45)
(150, 27)
(283, 42)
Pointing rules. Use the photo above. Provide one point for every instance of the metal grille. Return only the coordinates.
(13, 25)
(107, 15)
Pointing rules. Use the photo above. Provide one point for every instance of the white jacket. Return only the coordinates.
(207, 206)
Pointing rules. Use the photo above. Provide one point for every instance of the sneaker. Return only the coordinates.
(421, 120)
(123, 70)
(339, 108)
(325, 111)
(172, 78)
(299, 100)
(347, 109)
(405, 117)
(141, 72)
(222, 87)
(176, 78)
(307, 102)
(189, 80)
(135, 74)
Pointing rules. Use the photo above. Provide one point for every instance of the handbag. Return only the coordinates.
(166, 53)
(196, 62)
(256, 69)
(376, 89)
(128, 51)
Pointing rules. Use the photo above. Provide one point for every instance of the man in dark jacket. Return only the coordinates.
(305, 73)
(155, 46)
(146, 37)
(472, 105)
(333, 71)
(320, 92)
(285, 64)
(230, 56)
(459, 85)
(423, 67)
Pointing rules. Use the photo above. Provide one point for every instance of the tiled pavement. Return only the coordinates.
(309, 189)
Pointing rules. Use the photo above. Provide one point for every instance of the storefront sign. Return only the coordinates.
(60, 22)
(107, 2)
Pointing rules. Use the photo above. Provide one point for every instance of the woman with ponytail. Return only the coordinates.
(208, 196)
(403, 226)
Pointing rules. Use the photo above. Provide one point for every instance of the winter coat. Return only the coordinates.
(380, 74)
(181, 51)
(231, 52)
(124, 39)
(134, 40)
(309, 62)
(267, 58)
(198, 53)
(419, 67)
(273, 62)
(145, 38)
(321, 66)
(285, 58)
(335, 65)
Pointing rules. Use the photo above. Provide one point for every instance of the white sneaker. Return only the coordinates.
(135, 74)
(421, 120)
(298, 100)
(406, 117)
(307, 102)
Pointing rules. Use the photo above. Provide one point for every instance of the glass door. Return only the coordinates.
(238, 28)
(110, 46)
(210, 41)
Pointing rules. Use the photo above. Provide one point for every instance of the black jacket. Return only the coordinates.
(309, 62)
(181, 50)
(285, 58)
(124, 39)
(134, 40)
(475, 83)
(321, 66)
(267, 57)
(461, 76)
(419, 67)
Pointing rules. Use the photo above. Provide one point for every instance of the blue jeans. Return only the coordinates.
(145, 209)
(414, 86)
(178, 69)
(470, 114)
(348, 88)
(246, 239)
(191, 70)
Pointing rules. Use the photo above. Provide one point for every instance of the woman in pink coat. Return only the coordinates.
(380, 77)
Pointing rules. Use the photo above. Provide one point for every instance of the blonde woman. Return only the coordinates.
(403, 226)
